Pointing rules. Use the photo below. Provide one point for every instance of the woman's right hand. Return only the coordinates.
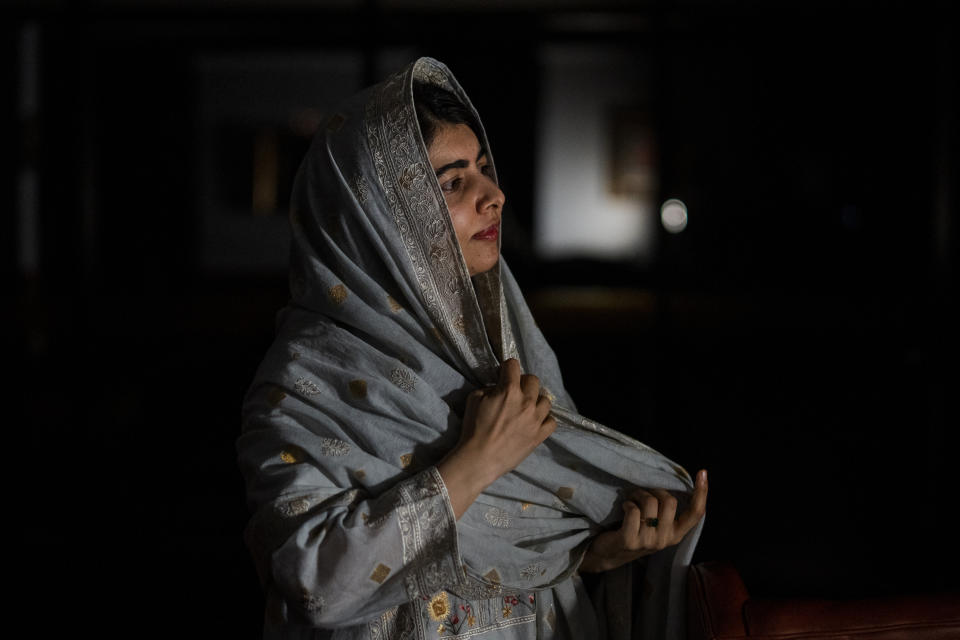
(502, 425)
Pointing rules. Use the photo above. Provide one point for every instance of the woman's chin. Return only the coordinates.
(482, 265)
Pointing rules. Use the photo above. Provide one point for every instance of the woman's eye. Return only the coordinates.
(487, 169)
(451, 185)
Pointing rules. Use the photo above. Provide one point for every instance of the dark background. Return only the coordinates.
(795, 339)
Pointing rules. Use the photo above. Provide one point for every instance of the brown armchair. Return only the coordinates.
(720, 608)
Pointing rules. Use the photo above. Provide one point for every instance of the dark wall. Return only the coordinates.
(795, 339)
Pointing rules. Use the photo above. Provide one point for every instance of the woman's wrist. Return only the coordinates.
(465, 479)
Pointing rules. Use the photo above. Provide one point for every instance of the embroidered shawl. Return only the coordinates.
(363, 391)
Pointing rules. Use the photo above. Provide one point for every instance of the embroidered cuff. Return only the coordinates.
(428, 529)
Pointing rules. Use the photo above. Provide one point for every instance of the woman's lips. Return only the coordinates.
(490, 233)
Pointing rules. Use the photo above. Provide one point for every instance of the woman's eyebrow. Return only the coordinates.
(460, 164)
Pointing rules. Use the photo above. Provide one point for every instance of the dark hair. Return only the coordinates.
(436, 105)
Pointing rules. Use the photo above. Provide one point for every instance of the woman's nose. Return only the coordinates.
(491, 195)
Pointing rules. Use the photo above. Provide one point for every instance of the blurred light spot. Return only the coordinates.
(673, 215)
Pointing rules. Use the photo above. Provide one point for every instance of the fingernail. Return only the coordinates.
(703, 475)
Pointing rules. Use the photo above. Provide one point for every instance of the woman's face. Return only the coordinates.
(473, 198)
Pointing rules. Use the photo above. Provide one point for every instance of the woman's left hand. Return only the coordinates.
(650, 523)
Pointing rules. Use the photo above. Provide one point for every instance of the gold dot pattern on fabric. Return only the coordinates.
(493, 576)
(358, 388)
(394, 305)
(551, 618)
(406, 460)
(275, 396)
(380, 573)
(524, 506)
(337, 293)
(564, 493)
(291, 455)
(359, 474)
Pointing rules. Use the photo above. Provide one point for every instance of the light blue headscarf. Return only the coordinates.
(364, 389)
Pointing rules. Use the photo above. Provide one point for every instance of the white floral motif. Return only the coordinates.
(497, 517)
(312, 602)
(532, 571)
(334, 447)
(295, 507)
(306, 387)
(361, 188)
(403, 379)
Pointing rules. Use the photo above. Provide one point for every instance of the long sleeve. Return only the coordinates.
(337, 555)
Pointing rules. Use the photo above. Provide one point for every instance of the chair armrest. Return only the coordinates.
(716, 596)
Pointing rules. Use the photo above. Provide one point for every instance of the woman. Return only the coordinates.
(407, 479)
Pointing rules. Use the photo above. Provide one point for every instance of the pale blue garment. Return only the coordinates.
(362, 393)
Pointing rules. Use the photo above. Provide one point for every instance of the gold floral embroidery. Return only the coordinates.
(394, 305)
(524, 506)
(507, 611)
(275, 396)
(406, 460)
(471, 620)
(337, 293)
(358, 388)
(439, 607)
(460, 325)
(380, 573)
(564, 493)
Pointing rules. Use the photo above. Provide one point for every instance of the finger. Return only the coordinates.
(547, 427)
(630, 527)
(698, 505)
(530, 385)
(543, 407)
(668, 506)
(509, 373)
